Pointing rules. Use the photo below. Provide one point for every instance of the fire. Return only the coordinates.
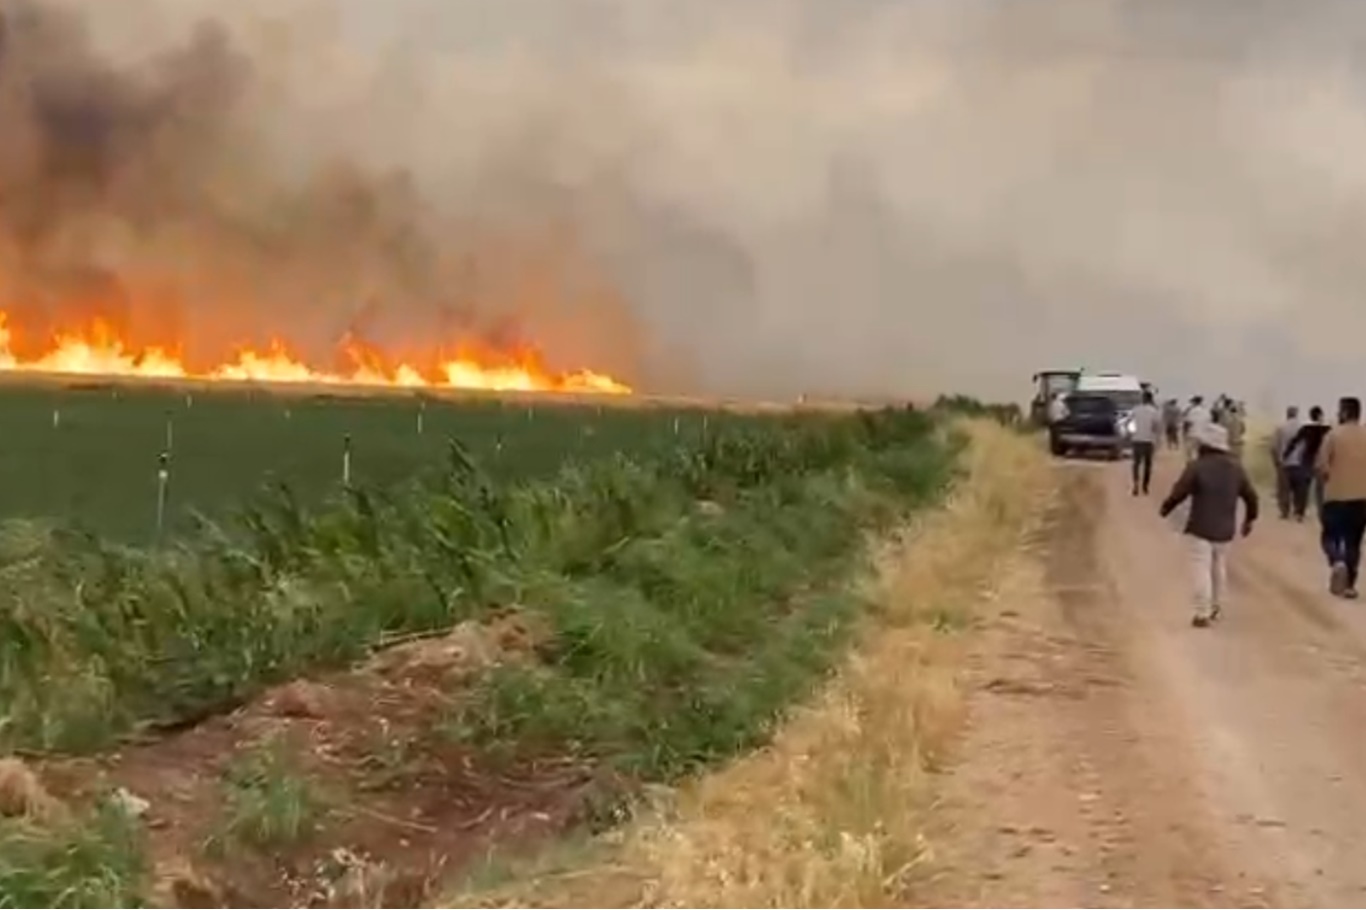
(95, 349)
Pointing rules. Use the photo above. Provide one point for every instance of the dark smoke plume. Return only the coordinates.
(141, 193)
(757, 197)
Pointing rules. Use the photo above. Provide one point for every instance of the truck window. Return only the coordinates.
(1090, 405)
(1058, 383)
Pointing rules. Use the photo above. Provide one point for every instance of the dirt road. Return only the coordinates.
(1118, 757)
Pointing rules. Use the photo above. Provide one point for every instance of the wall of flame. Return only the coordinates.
(96, 348)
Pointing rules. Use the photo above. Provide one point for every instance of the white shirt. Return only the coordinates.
(1147, 423)
(1197, 418)
(1281, 438)
(1057, 408)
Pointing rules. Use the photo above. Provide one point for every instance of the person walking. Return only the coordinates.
(1171, 423)
(1057, 413)
(1236, 426)
(1278, 443)
(1196, 418)
(1300, 457)
(1214, 482)
(1147, 431)
(1342, 462)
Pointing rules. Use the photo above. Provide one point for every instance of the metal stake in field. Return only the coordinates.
(170, 431)
(421, 413)
(189, 400)
(346, 461)
(56, 418)
(163, 483)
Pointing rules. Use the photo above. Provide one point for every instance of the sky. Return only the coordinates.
(876, 197)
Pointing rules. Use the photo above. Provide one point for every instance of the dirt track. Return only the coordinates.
(1118, 757)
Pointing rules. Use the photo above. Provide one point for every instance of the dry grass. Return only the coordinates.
(357, 391)
(831, 814)
(1255, 454)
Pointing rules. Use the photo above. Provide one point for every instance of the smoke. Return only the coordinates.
(758, 197)
(171, 190)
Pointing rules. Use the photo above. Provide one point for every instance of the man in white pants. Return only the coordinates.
(1213, 482)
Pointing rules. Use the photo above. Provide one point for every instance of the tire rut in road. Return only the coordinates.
(1129, 761)
(1070, 789)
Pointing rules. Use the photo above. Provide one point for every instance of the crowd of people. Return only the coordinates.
(1328, 465)
(1313, 463)
(1180, 428)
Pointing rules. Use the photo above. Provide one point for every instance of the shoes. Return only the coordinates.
(1337, 579)
(1200, 620)
(1215, 612)
(1350, 594)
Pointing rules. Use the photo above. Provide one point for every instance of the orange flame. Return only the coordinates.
(95, 349)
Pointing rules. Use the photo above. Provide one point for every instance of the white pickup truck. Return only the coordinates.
(1099, 414)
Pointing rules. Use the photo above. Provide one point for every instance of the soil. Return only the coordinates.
(1117, 756)
(400, 804)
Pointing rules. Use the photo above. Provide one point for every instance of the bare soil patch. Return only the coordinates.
(343, 791)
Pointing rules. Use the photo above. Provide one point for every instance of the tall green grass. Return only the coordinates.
(690, 593)
(677, 630)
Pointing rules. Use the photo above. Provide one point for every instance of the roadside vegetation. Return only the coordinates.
(646, 614)
(834, 812)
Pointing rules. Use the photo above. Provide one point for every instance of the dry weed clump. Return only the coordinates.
(1257, 454)
(830, 814)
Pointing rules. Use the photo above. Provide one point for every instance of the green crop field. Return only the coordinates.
(677, 580)
(90, 457)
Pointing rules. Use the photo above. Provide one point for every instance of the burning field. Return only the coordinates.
(275, 635)
(149, 229)
(98, 350)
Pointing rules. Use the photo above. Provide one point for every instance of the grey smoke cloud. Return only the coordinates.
(867, 196)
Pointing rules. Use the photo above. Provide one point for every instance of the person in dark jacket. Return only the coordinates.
(1300, 457)
(1213, 482)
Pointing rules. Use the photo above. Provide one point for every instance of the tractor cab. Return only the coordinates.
(1049, 384)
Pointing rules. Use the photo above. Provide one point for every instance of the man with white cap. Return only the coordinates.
(1214, 481)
